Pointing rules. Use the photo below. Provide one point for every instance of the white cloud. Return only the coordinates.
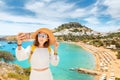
(107, 28)
(95, 9)
(34, 6)
(8, 17)
(112, 22)
(13, 29)
(113, 8)
(47, 0)
(40, 21)
(54, 13)
(10, 24)
(92, 20)
(44, 15)
(78, 13)
(58, 9)
(103, 27)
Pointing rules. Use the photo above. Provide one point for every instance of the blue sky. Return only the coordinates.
(30, 15)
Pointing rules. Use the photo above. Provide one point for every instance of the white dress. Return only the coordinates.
(40, 59)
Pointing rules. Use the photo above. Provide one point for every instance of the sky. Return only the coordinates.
(29, 15)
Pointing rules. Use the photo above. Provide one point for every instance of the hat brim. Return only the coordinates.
(48, 32)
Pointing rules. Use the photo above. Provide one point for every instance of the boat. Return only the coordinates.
(12, 42)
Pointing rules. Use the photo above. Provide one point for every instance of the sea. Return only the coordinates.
(71, 56)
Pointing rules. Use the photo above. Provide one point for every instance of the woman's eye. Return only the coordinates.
(44, 36)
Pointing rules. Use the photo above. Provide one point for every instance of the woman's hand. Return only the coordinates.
(56, 45)
(20, 38)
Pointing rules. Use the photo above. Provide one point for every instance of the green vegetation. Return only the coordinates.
(18, 76)
(27, 71)
(6, 56)
(75, 25)
(118, 55)
(117, 78)
(24, 76)
(98, 41)
(13, 72)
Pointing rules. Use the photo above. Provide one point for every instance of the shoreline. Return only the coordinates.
(105, 59)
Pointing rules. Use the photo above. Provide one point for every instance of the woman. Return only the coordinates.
(41, 56)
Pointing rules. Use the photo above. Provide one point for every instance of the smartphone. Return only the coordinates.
(28, 35)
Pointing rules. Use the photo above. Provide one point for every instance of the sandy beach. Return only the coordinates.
(106, 61)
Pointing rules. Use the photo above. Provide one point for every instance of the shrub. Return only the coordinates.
(18, 76)
(27, 71)
(118, 55)
(117, 78)
(6, 56)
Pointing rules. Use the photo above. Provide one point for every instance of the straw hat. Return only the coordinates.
(48, 32)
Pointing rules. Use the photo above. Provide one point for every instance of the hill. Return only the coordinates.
(12, 72)
(74, 28)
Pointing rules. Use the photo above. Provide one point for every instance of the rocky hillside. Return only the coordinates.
(8, 38)
(69, 26)
(12, 72)
(74, 28)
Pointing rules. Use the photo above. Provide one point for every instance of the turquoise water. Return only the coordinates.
(71, 56)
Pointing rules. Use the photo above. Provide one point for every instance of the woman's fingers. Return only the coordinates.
(56, 44)
(21, 36)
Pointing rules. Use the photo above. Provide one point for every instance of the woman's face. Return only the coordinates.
(42, 37)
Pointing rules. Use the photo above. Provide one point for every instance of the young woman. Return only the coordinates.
(42, 54)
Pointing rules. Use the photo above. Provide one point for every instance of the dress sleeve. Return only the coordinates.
(23, 54)
(54, 59)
